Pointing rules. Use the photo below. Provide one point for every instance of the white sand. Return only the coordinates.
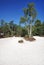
(28, 53)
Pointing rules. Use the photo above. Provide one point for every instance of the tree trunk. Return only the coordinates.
(28, 31)
(30, 35)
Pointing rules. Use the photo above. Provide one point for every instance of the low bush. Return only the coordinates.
(20, 41)
(27, 38)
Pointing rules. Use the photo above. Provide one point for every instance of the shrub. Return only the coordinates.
(20, 41)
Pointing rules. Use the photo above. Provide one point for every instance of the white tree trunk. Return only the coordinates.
(30, 30)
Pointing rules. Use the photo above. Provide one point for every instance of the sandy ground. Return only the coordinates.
(27, 53)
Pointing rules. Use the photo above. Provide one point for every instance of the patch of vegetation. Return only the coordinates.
(20, 41)
(27, 38)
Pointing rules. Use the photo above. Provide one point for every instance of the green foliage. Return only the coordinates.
(24, 32)
(31, 10)
(38, 28)
(19, 30)
(37, 23)
(23, 20)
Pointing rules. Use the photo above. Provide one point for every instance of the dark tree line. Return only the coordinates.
(38, 28)
(12, 29)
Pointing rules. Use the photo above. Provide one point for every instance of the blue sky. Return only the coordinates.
(12, 9)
